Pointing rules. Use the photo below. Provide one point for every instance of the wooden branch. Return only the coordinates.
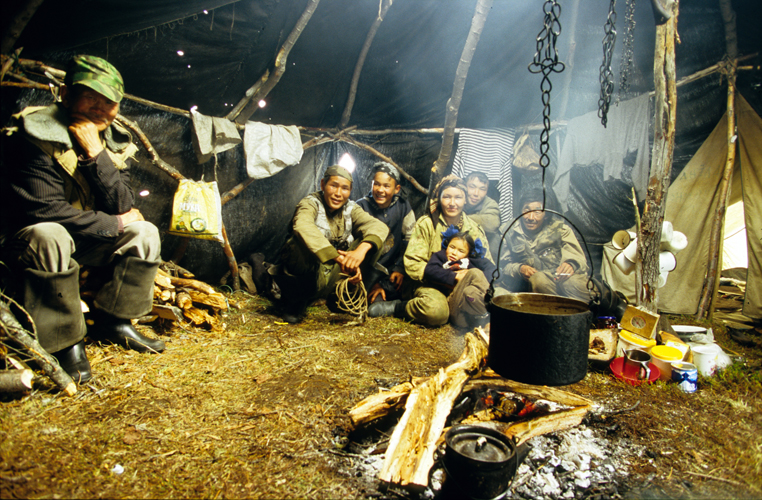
(155, 158)
(280, 63)
(370, 149)
(661, 163)
(382, 403)
(16, 380)
(384, 7)
(49, 364)
(453, 103)
(18, 23)
(248, 95)
(216, 300)
(410, 454)
(712, 278)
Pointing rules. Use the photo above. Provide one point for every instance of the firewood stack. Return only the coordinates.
(178, 297)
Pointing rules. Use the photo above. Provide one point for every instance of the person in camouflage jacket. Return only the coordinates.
(542, 254)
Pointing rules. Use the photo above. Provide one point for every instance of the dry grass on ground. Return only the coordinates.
(260, 410)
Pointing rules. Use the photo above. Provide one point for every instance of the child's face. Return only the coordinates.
(456, 250)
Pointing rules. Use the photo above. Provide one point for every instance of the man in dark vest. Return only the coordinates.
(67, 201)
(330, 235)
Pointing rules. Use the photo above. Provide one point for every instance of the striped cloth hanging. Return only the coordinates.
(491, 152)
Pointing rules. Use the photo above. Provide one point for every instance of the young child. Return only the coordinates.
(459, 253)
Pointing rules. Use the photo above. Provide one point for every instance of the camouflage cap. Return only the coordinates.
(334, 170)
(98, 74)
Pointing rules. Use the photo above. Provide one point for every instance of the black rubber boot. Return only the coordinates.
(386, 308)
(129, 294)
(73, 360)
(52, 300)
(120, 331)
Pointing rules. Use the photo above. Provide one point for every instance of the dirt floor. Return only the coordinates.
(259, 410)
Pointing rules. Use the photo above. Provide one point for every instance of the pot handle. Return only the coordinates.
(496, 273)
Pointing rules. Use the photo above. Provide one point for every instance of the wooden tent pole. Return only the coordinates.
(661, 163)
(280, 63)
(712, 279)
(17, 25)
(453, 103)
(384, 7)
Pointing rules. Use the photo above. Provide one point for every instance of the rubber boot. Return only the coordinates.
(73, 360)
(52, 300)
(129, 294)
(386, 308)
(297, 293)
(120, 331)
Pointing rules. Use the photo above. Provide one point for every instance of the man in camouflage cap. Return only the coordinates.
(542, 255)
(66, 180)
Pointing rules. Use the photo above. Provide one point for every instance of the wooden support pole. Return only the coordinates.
(280, 63)
(18, 23)
(712, 279)
(661, 163)
(453, 103)
(383, 8)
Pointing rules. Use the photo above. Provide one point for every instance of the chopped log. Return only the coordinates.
(183, 300)
(197, 316)
(163, 280)
(16, 380)
(189, 283)
(174, 270)
(382, 403)
(216, 300)
(602, 344)
(165, 295)
(13, 329)
(410, 454)
(169, 312)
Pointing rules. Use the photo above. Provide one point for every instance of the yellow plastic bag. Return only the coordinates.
(197, 211)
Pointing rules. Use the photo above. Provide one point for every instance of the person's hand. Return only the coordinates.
(396, 279)
(527, 271)
(133, 215)
(87, 135)
(350, 261)
(564, 271)
(375, 292)
(460, 274)
(356, 278)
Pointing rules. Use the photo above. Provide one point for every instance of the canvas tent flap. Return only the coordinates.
(750, 153)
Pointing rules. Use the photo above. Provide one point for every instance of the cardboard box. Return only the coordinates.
(640, 322)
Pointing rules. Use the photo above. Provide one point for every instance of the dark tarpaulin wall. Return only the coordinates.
(406, 82)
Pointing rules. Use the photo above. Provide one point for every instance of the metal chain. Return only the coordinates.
(606, 76)
(546, 61)
(627, 55)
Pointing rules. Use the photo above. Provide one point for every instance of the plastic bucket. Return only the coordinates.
(628, 340)
(705, 358)
(663, 356)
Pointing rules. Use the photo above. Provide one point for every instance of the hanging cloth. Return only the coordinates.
(212, 135)
(491, 152)
(587, 142)
(270, 148)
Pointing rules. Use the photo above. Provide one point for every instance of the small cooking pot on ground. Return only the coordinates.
(479, 462)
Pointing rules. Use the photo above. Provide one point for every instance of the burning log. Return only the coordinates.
(410, 454)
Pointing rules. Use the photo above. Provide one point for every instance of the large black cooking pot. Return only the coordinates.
(536, 338)
(539, 339)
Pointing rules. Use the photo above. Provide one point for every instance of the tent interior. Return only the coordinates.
(204, 55)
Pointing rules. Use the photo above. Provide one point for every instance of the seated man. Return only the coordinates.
(482, 209)
(384, 203)
(542, 254)
(329, 235)
(67, 201)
